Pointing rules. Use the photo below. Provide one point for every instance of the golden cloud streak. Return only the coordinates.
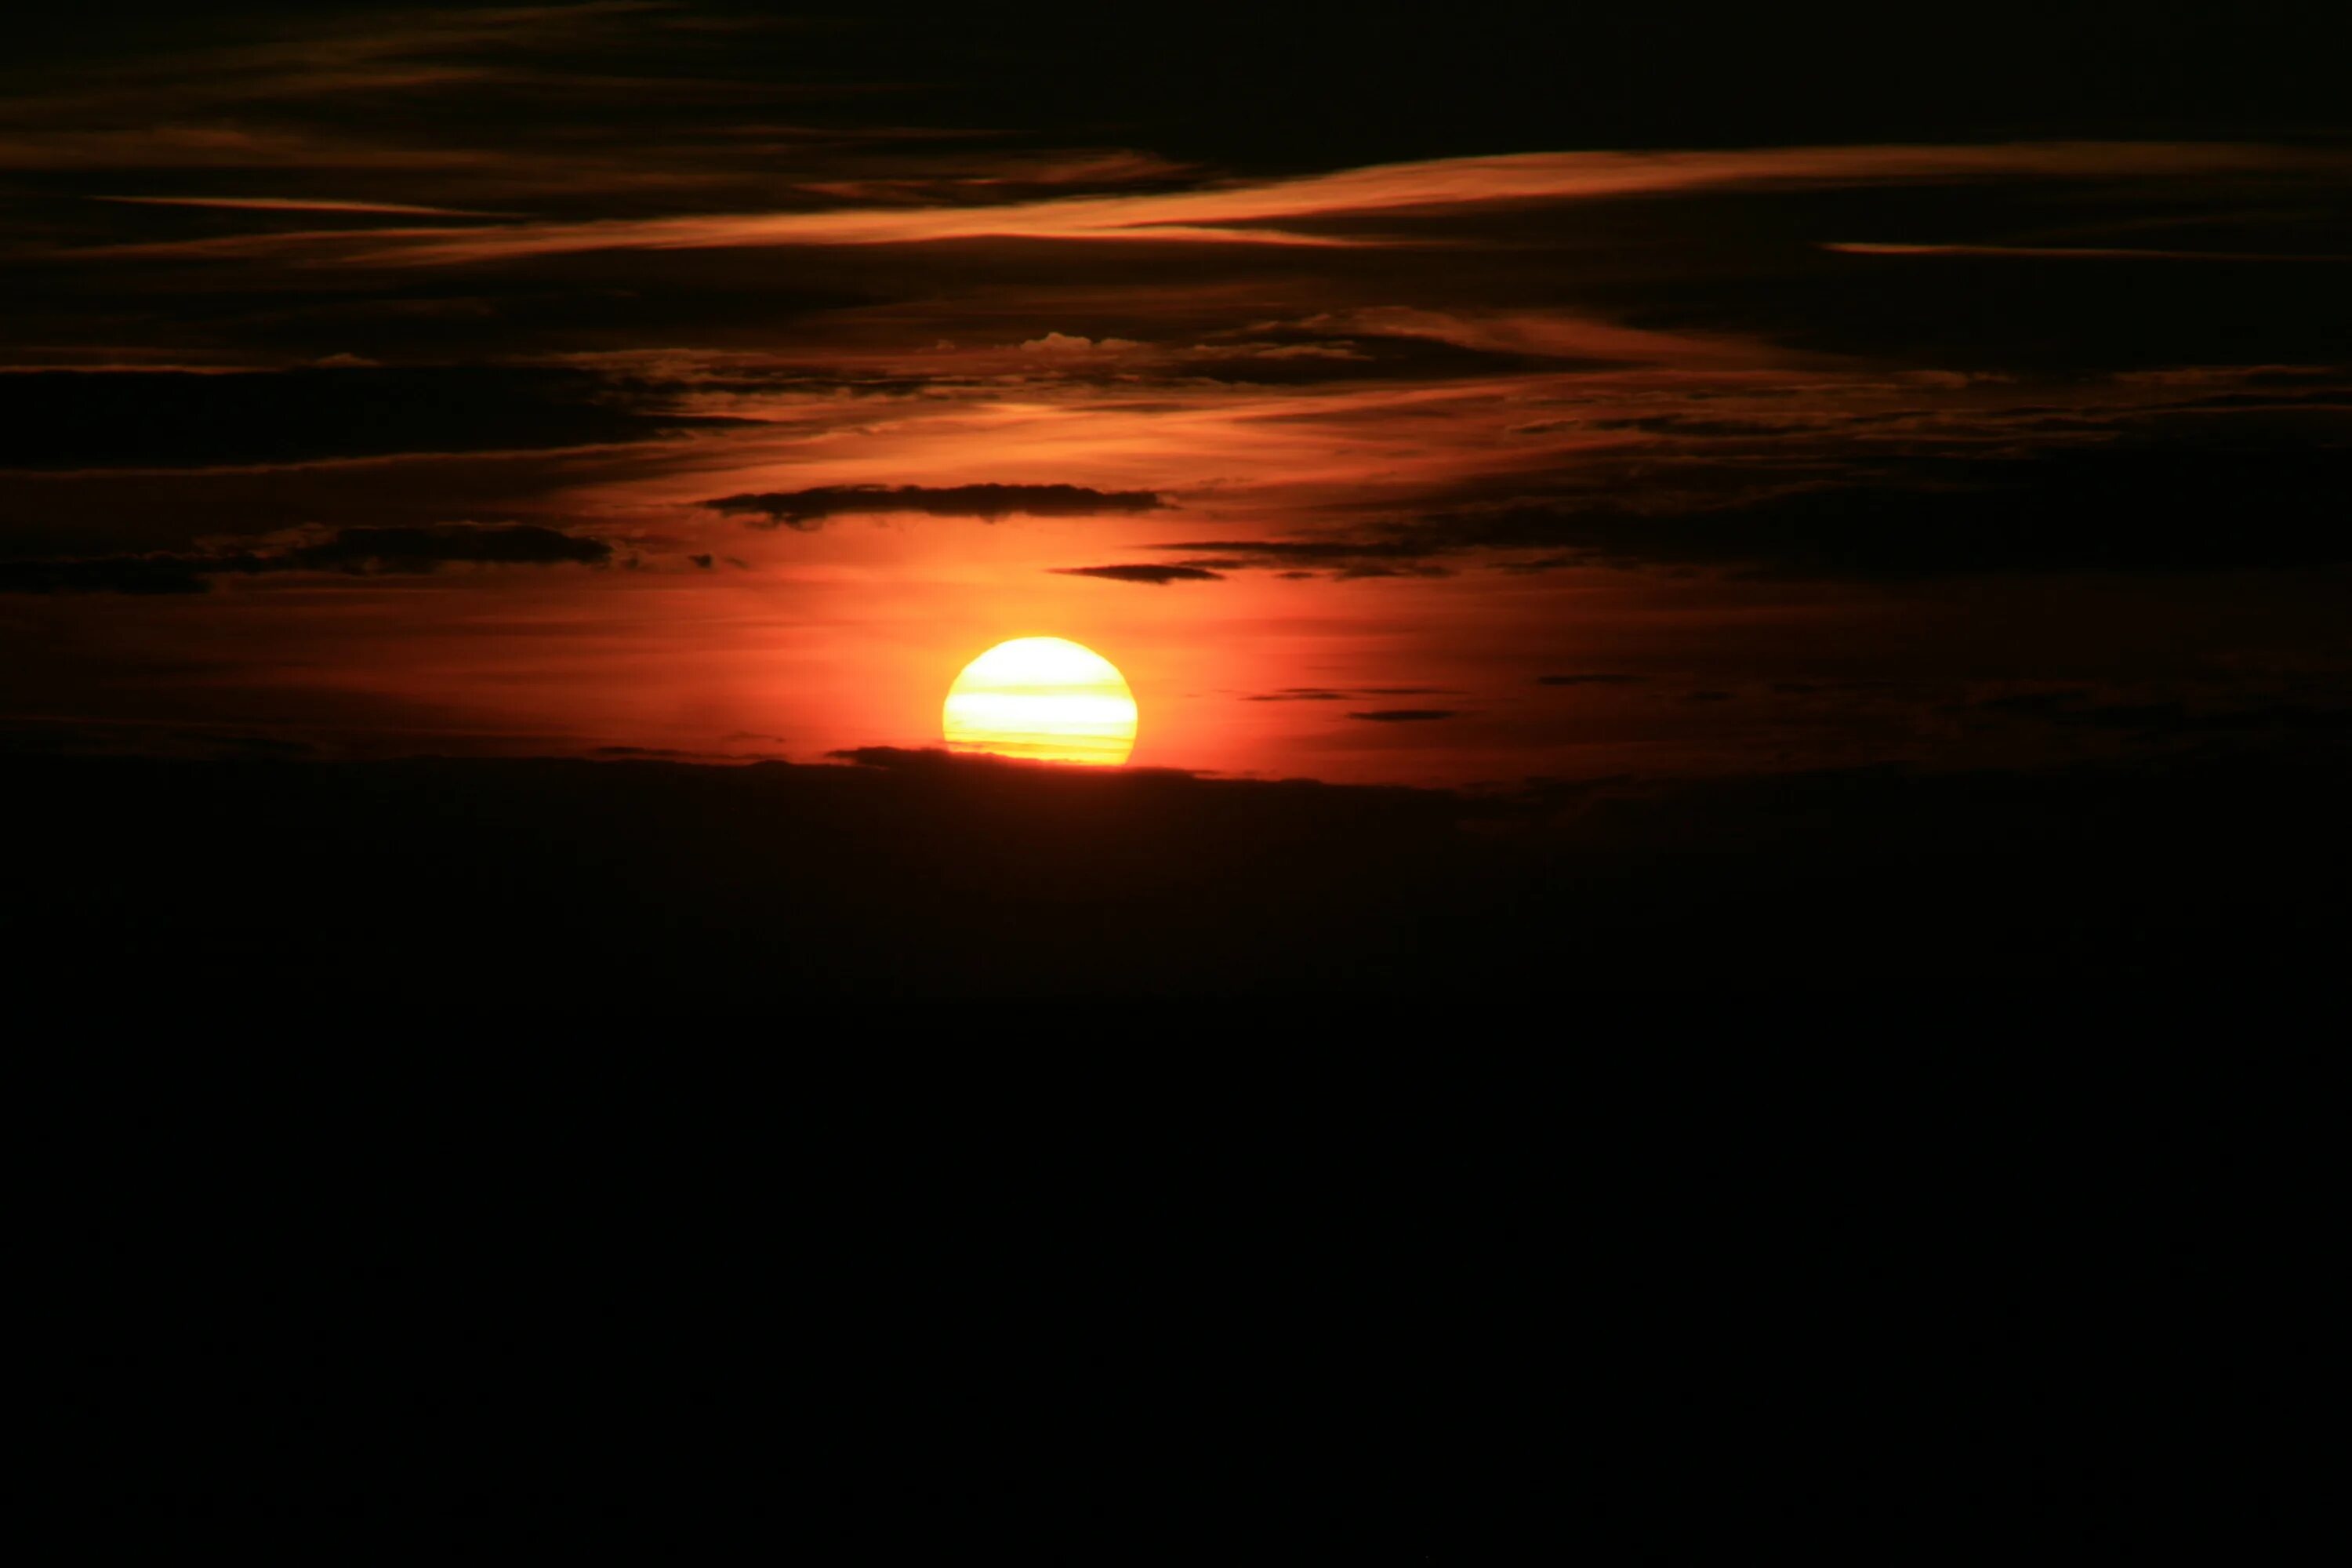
(1247, 214)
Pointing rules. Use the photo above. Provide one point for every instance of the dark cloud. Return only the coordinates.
(2159, 499)
(60, 738)
(1289, 357)
(59, 419)
(969, 765)
(1322, 694)
(808, 508)
(1690, 424)
(1313, 550)
(921, 872)
(358, 552)
(1388, 569)
(1342, 560)
(2031, 703)
(1161, 576)
(2175, 720)
(2145, 508)
(1404, 715)
(717, 104)
(112, 574)
(423, 549)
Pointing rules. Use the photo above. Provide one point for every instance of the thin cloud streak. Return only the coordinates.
(295, 204)
(2075, 252)
(1228, 215)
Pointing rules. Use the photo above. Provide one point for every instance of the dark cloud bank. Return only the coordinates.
(1157, 576)
(359, 551)
(914, 873)
(2148, 509)
(809, 508)
(2143, 506)
(181, 419)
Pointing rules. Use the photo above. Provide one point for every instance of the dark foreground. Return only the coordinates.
(1071, 1286)
(910, 875)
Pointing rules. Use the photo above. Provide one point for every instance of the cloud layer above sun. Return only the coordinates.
(679, 378)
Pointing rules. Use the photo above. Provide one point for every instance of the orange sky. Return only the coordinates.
(388, 384)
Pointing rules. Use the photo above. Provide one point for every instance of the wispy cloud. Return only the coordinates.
(295, 204)
(2075, 252)
(1251, 213)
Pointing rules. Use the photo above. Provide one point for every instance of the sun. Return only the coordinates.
(1048, 700)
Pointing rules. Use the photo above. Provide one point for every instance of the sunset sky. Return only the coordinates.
(1693, 631)
(1529, 400)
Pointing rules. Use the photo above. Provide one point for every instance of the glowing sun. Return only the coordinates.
(1044, 699)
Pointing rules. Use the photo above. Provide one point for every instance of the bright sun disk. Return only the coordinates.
(1044, 699)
